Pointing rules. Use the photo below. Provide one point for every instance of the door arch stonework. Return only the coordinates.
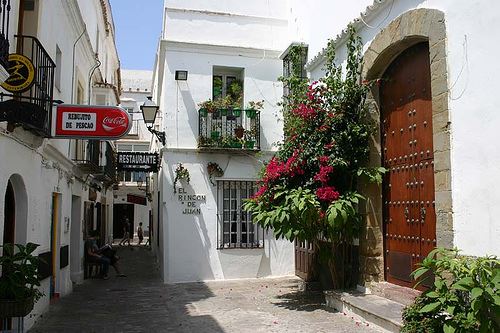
(410, 28)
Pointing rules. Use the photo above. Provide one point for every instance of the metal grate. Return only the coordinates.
(235, 226)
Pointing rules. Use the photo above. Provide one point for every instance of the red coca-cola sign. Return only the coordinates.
(91, 122)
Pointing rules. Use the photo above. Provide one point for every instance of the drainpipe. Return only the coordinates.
(73, 77)
(73, 73)
(90, 77)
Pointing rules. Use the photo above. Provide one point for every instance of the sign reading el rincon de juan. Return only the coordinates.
(91, 122)
(147, 162)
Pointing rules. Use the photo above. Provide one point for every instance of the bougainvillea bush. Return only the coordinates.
(309, 188)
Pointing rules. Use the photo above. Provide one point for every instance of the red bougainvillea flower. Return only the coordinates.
(327, 194)
(323, 160)
(323, 175)
(304, 112)
(293, 166)
(274, 170)
(322, 214)
(259, 193)
(330, 145)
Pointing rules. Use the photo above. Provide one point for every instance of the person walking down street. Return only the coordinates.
(126, 233)
(140, 233)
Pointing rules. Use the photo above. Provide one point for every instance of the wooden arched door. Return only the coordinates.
(407, 152)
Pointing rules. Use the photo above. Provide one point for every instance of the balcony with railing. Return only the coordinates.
(29, 97)
(88, 158)
(4, 33)
(108, 173)
(231, 128)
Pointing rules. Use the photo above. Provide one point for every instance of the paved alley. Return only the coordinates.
(142, 303)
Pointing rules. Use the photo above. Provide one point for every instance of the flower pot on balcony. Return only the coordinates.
(203, 112)
(223, 112)
(251, 113)
(16, 308)
(249, 144)
(239, 132)
(215, 135)
(236, 145)
(236, 112)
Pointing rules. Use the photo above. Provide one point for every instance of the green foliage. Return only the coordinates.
(19, 272)
(465, 295)
(309, 188)
(181, 173)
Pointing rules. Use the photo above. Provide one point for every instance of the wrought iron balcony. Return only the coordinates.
(30, 105)
(233, 129)
(4, 33)
(89, 162)
(108, 173)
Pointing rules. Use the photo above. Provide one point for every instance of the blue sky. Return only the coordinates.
(138, 28)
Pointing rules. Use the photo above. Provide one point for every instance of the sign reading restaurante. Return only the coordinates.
(146, 162)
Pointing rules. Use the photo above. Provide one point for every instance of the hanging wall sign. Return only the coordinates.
(91, 122)
(21, 74)
(145, 162)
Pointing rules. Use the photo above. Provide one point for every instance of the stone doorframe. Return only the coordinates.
(408, 29)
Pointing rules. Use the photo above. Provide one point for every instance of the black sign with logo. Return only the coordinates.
(22, 74)
(145, 162)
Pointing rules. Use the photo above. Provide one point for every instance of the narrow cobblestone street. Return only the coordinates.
(141, 303)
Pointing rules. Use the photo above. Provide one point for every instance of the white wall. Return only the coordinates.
(472, 65)
(181, 98)
(260, 24)
(191, 240)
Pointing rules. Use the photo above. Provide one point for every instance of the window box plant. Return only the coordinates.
(207, 107)
(18, 292)
(253, 107)
(214, 170)
(249, 144)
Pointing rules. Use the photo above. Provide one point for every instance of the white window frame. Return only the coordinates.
(235, 226)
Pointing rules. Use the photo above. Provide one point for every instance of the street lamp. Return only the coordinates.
(149, 110)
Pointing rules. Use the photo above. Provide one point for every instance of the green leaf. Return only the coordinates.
(430, 307)
(447, 328)
(476, 292)
(432, 294)
(419, 272)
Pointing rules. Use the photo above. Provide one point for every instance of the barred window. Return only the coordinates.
(235, 226)
(294, 66)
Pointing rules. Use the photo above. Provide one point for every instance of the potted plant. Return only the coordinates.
(207, 107)
(214, 170)
(250, 138)
(203, 141)
(253, 107)
(181, 173)
(18, 292)
(239, 131)
(215, 132)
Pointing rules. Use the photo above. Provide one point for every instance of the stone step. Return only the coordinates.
(395, 293)
(380, 312)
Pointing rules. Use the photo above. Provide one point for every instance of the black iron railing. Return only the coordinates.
(4, 32)
(89, 162)
(229, 129)
(109, 167)
(32, 108)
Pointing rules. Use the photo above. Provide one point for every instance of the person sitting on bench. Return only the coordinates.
(105, 255)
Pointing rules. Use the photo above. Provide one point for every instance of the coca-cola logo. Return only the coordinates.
(111, 124)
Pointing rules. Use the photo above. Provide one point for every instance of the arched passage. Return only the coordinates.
(15, 211)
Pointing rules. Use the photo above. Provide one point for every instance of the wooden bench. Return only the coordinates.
(92, 270)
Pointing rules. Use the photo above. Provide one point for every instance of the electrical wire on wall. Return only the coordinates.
(465, 66)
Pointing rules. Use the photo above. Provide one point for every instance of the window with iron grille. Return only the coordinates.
(235, 226)
(294, 64)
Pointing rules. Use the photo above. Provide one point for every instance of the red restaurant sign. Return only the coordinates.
(91, 122)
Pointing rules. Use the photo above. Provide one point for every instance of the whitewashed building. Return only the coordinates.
(133, 196)
(55, 191)
(222, 48)
(441, 55)
(451, 57)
